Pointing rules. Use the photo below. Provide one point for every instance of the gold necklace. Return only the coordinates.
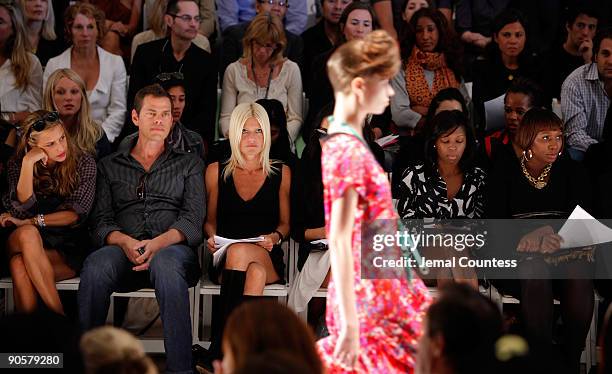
(539, 182)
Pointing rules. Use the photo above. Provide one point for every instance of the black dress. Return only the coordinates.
(237, 219)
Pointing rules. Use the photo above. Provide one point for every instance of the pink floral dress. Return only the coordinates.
(390, 311)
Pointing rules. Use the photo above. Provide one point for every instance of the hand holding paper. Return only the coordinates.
(222, 243)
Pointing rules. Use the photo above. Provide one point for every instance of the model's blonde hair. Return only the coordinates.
(265, 28)
(240, 115)
(375, 55)
(48, 25)
(62, 179)
(87, 132)
(17, 47)
(108, 349)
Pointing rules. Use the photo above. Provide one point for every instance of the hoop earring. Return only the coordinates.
(527, 155)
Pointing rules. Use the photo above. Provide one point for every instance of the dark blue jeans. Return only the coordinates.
(171, 272)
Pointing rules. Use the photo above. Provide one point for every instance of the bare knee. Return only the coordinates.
(255, 279)
(23, 236)
(238, 256)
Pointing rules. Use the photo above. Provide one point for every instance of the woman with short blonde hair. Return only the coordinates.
(253, 199)
(263, 73)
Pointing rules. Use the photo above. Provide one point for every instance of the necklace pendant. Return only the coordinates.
(540, 184)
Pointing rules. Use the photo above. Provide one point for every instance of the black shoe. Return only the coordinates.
(202, 357)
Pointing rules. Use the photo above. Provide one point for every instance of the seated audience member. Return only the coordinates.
(412, 148)
(103, 73)
(461, 329)
(208, 26)
(247, 196)
(122, 18)
(585, 97)
(322, 37)
(264, 326)
(263, 73)
(521, 96)
(147, 226)
(232, 46)
(20, 72)
(431, 62)
(109, 349)
(357, 20)
(532, 181)
(159, 29)
(409, 7)
(234, 12)
(507, 59)
(446, 185)
(180, 137)
(51, 190)
(39, 20)
(474, 22)
(280, 143)
(576, 50)
(66, 93)
(177, 54)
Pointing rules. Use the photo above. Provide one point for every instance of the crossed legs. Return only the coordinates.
(256, 262)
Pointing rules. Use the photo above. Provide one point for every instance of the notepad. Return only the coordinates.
(222, 243)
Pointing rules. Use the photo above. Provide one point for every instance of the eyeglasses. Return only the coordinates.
(141, 190)
(187, 18)
(164, 77)
(275, 2)
(39, 124)
(268, 46)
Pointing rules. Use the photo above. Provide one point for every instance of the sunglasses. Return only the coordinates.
(41, 123)
(164, 77)
(141, 191)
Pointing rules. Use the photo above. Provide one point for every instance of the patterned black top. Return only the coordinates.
(421, 193)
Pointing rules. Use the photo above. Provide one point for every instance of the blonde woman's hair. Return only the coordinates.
(87, 132)
(48, 25)
(265, 28)
(156, 19)
(17, 47)
(108, 349)
(240, 115)
(377, 54)
(60, 180)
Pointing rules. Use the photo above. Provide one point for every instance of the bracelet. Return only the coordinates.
(40, 220)
(280, 236)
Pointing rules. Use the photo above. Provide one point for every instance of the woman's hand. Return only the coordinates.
(269, 241)
(7, 220)
(550, 243)
(120, 28)
(210, 244)
(543, 240)
(34, 155)
(346, 352)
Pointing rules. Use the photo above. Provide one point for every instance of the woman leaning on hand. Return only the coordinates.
(51, 190)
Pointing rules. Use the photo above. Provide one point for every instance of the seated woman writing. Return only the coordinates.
(247, 196)
(51, 190)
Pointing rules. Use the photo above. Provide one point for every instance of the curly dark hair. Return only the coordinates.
(448, 41)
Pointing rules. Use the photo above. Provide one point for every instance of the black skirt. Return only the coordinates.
(276, 256)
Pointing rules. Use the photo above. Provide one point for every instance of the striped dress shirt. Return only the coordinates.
(584, 104)
(145, 204)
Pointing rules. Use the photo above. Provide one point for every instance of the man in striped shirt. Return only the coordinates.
(148, 220)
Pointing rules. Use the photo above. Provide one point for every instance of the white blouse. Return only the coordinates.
(28, 99)
(286, 88)
(109, 96)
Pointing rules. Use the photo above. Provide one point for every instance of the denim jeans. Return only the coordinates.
(171, 272)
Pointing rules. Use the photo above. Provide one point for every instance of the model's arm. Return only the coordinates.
(340, 238)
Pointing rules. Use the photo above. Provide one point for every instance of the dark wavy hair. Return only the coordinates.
(444, 123)
(447, 94)
(448, 41)
(507, 17)
(530, 89)
(358, 5)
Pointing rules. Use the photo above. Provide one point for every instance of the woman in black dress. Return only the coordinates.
(247, 196)
(51, 190)
(530, 180)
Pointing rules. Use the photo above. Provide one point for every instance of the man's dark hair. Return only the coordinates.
(605, 33)
(578, 9)
(154, 90)
(172, 7)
